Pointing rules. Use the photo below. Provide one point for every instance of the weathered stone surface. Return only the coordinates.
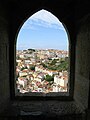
(76, 17)
(82, 72)
(4, 64)
(45, 110)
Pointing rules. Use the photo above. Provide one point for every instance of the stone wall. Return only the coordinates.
(4, 63)
(82, 70)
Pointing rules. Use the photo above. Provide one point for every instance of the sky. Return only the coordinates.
(42, 31)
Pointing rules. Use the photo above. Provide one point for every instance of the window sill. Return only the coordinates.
(44, 109)
(42, 96)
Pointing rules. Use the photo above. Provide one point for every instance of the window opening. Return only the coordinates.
(42, 55)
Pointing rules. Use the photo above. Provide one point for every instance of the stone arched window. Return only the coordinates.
(43, 57)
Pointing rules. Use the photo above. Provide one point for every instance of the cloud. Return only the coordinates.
(43, 18)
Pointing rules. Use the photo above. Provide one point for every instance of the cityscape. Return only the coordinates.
(42, 70)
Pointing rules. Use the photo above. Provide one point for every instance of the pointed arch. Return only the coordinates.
(48, 22)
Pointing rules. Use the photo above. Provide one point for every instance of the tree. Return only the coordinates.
(22, 68)
(63, 66)
(33, 50)
(53, 62)
(49, 78)
(44, 65)
(32, 68)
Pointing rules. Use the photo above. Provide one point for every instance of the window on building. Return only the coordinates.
(42, 56)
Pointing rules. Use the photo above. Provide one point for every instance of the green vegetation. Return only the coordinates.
(49, 78)
(32, 68)
(53, 62)
(44, 65)
(33, 50)
(56, 64)
(24, 68)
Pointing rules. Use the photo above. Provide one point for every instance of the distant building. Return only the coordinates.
(22, 81)
(22, 73)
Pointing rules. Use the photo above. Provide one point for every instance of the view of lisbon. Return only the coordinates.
(42, 57)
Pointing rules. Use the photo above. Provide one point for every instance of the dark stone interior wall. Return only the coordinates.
(4, 61)
(82, 72)
(17, 14)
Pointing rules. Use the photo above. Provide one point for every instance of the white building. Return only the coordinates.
(21, 55)
(56, 88)
(60, 80)
(21, 74)
(22, 82)
(40, 90)
(18, 61)
(37, 79)
(27, 61)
